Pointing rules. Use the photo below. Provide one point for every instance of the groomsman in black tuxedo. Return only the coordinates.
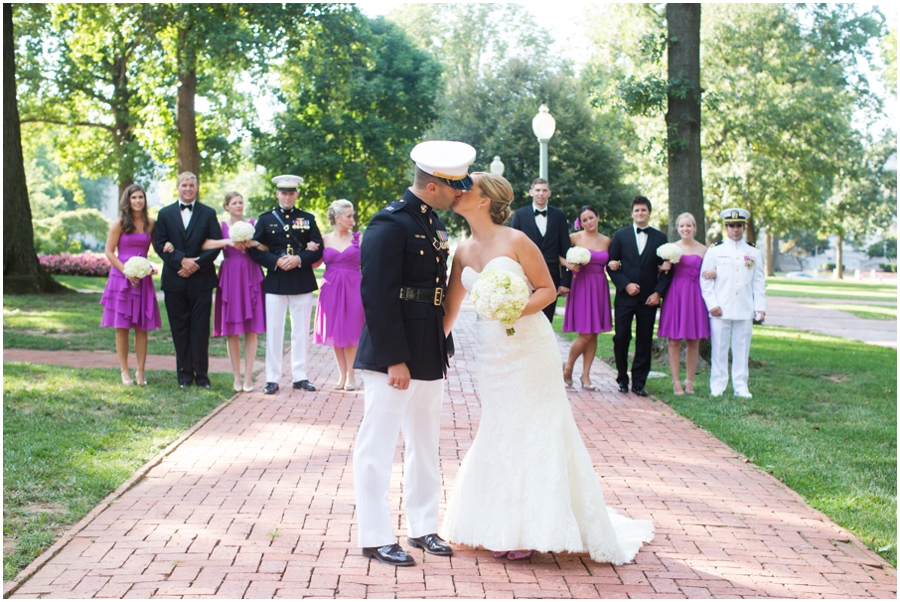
(188, 277)
(639, 287)
(547, 228)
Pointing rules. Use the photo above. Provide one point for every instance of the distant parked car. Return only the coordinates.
(798, 275)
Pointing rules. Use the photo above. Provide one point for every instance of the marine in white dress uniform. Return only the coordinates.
(403, 354)
(735, 297)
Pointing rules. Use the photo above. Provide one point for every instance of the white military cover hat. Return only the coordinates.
(735, 216)
(447, 160)
(287, 183)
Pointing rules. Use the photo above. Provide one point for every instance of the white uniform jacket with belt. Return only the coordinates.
(739, 287)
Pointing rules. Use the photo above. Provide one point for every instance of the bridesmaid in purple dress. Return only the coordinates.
(684, 314)
(339, 312)
(587, 305)
(240, 305)
(130, 303)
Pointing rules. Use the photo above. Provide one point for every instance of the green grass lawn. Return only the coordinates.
(71, 436)
(823, 419)
(835, 289)
(867, 312)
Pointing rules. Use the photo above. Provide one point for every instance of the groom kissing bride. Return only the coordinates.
(527, 483)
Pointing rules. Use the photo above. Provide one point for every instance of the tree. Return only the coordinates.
(21, 271)
(358, 96)
(683, 115)
(788, 86)
(493, 86)
(84, 78)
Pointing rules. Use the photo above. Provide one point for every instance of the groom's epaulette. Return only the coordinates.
(395, 206)
(718, 243)
(751, 244)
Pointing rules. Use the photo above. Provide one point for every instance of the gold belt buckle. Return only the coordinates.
(289, 250)
(438, 296)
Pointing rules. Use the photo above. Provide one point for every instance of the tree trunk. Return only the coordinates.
(683, 116)
(770, 254)
(186, 119)
(839, 256)
(21, 271)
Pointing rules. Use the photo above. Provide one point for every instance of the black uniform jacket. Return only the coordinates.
(397, 251)
(553, 244)
(642, 269)
(187, 242)
(302, 230)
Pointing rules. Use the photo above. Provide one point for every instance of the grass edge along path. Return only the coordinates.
(39, 524)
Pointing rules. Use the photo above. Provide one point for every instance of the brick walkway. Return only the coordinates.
(257, 502)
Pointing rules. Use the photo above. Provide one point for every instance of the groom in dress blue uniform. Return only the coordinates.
(403, 354)
(294, 245)
(639, 287)
(547, 227)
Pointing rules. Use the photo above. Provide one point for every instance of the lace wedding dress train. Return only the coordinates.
(528, 482)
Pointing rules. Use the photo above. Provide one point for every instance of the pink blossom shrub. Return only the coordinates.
(83, 264)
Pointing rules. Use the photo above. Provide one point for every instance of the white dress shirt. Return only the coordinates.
(540, 220)
(186, 213)
(641, 239)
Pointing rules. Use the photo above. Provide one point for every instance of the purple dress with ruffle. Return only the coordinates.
(684, 314)
(339, 312)
(126, 306)
(587, 304)
(240, 306)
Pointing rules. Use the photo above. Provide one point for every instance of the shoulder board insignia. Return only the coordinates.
(718, 243)
(394, 206)
(751, 244)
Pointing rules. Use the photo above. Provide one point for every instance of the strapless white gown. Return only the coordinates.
(528, 482)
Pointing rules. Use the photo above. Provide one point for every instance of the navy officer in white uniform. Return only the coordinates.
(294, 245)
(403, 354)
(734, 288)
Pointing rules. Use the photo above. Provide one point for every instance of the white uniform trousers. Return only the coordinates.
(417, 410)
(735, 333)
(276, 308)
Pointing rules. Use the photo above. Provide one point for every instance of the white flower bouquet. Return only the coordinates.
(670, 252)
(137, 267)
(578, 256)
(500, 295)
(241, 232)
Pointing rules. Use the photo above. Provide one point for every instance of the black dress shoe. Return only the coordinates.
(391, 554)
(304, 385)
(432, 544)
(623, 388)
(271, 388)
(639, 391)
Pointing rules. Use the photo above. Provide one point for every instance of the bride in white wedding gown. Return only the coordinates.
(527, 483)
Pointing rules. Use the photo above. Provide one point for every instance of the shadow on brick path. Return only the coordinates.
(256, 501)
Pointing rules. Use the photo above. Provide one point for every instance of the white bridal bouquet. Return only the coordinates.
(578, 255)
(500, 295)
(670, 252)
(137, 267)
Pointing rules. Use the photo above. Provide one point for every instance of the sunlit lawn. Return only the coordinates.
(71, 436)
(835, 289)
(867, 312)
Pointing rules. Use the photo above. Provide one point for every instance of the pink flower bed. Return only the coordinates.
(84, 264)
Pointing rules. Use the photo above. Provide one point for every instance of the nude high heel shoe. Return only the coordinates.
(126, 378)
(569, 382)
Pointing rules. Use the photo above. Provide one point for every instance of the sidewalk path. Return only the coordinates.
(257, 502)
(804, 314)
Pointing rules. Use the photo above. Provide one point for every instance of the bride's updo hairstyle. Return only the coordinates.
(497, 189)
(336, 208)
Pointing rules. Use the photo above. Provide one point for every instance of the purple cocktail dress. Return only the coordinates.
(240, 305)
(684, 314)
(339, 313)
(124, 305)
(587, 304)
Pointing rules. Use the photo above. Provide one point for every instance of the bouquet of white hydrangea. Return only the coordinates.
(241, 232)
(670, 252)
(500, 295)
(578, 256)
(137, 267)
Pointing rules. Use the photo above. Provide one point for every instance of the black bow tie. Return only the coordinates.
(540, 212)
(188, 207)
(644, 230)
